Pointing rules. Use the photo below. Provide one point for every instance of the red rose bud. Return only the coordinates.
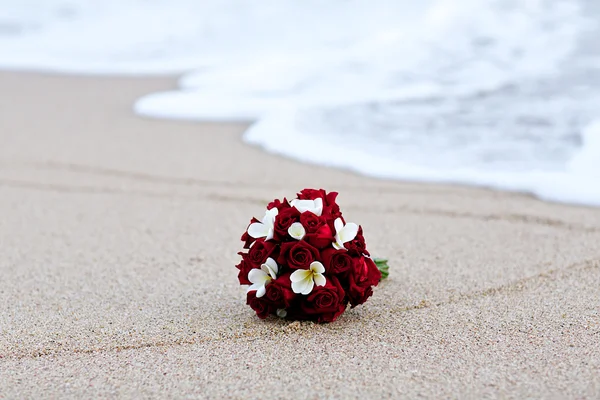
(312, 194)
(259, 304)
(259, 252)
(322, 238)
(325, 302)
(297, 254)
(311, 222)
(279, 292)
(284, 220)
(364, 274)
(336, 262)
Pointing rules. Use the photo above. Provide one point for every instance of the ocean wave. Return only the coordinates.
(500, 93)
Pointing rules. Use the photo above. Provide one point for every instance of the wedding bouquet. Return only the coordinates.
(305, 262)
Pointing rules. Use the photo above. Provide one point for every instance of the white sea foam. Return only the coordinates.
(500, 93)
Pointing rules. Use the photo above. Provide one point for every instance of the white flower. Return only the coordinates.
(314, 206)
(265, 227)
(297, 231)
(344, 233)
(260, 278)
(281, 312)
(304, 280)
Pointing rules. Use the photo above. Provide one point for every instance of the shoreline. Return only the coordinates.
(120, 235)
(174, 78)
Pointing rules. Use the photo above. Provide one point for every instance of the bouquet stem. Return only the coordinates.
(382, 265)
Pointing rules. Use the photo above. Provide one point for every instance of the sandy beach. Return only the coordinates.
(118, 241)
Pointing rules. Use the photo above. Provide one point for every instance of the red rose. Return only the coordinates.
(284, 220)
(311, 222)
(322, 238)
(280, 205)
(336, 262)
(244, 266)
(279, 291)
(312, 194)
(325, 302)
(363, 276)
(357, 246)
(331, 209)
(259, 304)
(259, 252)
(297, 254)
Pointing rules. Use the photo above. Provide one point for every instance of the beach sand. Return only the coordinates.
(118, 241)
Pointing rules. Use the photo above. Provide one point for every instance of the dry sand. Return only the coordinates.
(118, 240)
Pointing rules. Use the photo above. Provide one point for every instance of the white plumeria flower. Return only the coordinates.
(297, 231)
(304, 280)
(314, 206)
(265, 227)
(344, 233)
(260, 278)
(281, 313)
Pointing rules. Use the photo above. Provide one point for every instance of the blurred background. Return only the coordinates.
(500, 93)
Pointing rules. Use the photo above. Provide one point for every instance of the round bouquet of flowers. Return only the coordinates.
(305, 262)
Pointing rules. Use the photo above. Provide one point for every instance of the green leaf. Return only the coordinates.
(382, 265)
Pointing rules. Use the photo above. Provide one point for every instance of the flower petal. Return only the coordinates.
(269, 218)
(257, 276)
(349, 232)
(314, 206)
(297, 231)
(300, 275)
(309, 286)
(339, 225)
(281, 312)
(319, 279)
(337, 245)
(269, 234)
(255, 286)
(258, 230)
(304, 286)
(317, 267)
(318, 210)
(273, 267)
(299, 286)
(261, 291)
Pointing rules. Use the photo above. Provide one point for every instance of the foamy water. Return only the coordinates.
(499, 93)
